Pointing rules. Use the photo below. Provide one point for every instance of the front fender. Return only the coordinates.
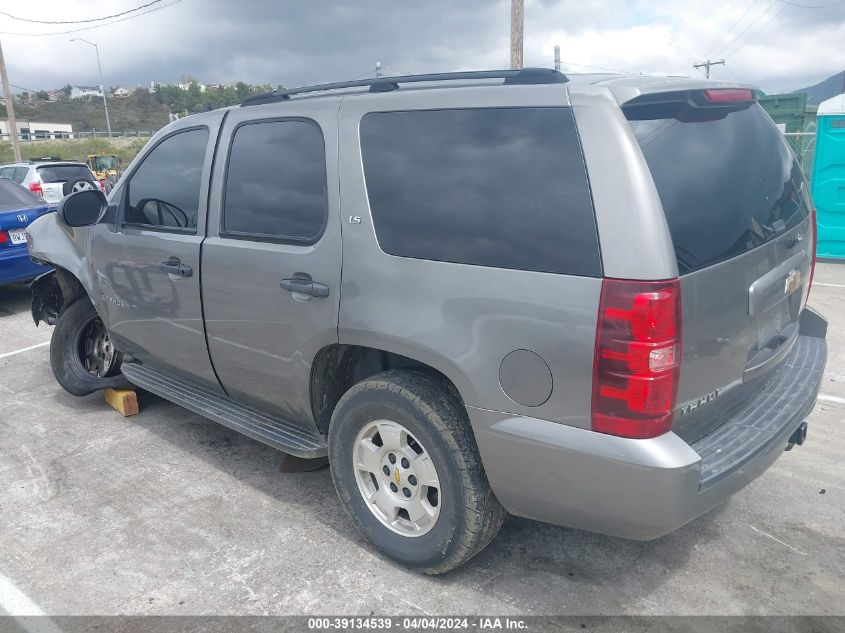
(67, 250)
(65, 247)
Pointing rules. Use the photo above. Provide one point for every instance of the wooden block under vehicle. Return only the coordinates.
(124, 401)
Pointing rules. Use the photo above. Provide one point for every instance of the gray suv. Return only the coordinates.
(579, 299)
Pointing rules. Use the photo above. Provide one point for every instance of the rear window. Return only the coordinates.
(728, 182)
(499, 187)
(63, 173)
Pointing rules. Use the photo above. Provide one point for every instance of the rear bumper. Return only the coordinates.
(643, 489)
(15, 266)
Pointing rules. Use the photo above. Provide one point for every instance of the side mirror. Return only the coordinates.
(82, 208)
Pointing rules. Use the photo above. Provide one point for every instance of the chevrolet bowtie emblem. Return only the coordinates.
(397, 476)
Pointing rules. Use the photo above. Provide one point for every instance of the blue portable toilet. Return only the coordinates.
(828, 182)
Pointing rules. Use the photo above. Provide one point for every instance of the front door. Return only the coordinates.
(271, 261)
(147, 266)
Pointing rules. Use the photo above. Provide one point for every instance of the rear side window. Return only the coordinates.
(20, 174)
(276, 181)
(499, 187)
(165, 190)
(728, 183)
(63, 173)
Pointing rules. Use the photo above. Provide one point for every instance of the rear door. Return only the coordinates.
(148, 266)
(738, 210)
(271, 262)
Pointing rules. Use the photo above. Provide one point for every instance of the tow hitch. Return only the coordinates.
(798, 437)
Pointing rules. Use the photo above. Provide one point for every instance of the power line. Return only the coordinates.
(107, 17)
(96, 26)
(751, 24)
(726, 33)
(22, 88)
(754, 34)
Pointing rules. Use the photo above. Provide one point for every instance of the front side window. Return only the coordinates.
(498, 187)
(165, 190)
(276, 181)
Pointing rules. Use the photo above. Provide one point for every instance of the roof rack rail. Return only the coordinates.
(44, 159)
(523, 76)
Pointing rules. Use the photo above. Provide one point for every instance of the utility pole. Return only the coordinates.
(517, 13)
(378, 69)
(557, 58)
(706, 65)
(10, 108)
(102, 87)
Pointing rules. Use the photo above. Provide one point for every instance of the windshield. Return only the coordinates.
(103, 163)
(728, 183)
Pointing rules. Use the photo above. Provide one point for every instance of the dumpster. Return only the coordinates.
(797, 120)
(828, 186)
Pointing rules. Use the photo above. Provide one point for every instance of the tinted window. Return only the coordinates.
(493, 187)
(7, 172)
(63, 173)
(13, 196)
(727, 184)
(276, 181)
(165, 189)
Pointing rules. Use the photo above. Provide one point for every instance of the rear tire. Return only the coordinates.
(72, 341)
(461, 513)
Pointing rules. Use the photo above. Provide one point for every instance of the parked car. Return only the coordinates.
(18, 208)
(579, 300)
(51, 178)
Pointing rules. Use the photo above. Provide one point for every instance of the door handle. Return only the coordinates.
(305, 287)
(175, 267)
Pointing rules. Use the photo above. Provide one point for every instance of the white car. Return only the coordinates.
(51, 178)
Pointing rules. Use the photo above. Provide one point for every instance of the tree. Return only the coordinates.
(242, 91)
(67, 90)
(42, 94)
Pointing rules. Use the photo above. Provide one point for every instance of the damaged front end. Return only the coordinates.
(46, 298)
(51, 292)
(64, 249)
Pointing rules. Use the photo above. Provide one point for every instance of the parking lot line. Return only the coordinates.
(818, 283)
(25, 349)
(836, 399)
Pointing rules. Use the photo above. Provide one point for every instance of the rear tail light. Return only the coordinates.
(729, 95)
(4, 237)
(35, 187)
(102, 184)
(637, 360)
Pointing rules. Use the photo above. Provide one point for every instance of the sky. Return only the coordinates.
(774, 44)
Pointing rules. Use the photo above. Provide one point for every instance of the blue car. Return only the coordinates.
(18, 208)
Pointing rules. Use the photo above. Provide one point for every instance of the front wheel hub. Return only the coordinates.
(96, 349)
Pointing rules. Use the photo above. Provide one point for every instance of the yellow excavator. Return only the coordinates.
(106, 169)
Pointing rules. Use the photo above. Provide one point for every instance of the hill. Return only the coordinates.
(77, 149)
(139, 111)
(826, 89)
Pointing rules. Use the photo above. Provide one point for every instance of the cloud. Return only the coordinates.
(771, 44)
